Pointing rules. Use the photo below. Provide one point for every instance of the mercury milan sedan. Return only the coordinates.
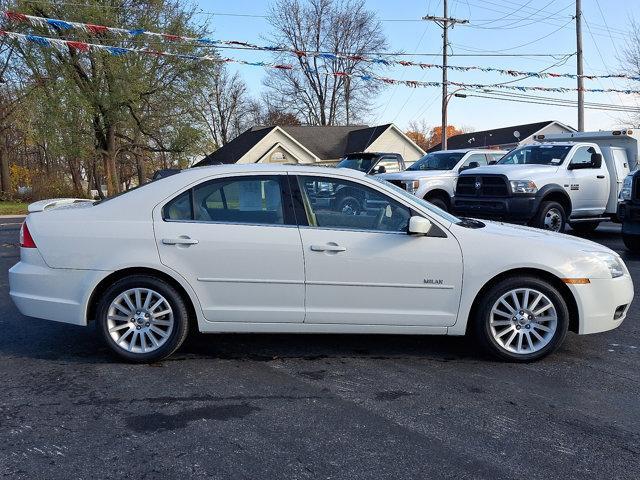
(254, 248)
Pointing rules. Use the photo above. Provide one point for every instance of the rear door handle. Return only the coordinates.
(183, 240)
(600, 176)
(329, 247)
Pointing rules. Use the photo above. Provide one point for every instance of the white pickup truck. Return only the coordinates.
(434, 176)
(570, 178)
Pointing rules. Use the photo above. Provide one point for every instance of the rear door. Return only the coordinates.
(234, 239)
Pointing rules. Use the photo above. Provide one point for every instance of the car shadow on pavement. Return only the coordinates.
(40, 339)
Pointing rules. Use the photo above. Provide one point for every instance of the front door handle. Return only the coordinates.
(183, 240)
(600, 176)
(329, 247)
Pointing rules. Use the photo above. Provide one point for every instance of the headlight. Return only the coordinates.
(613, 263)
(412, 186)
(523, 186)
(625, 192)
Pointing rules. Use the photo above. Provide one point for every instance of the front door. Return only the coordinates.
(363, 268)
(234, 239)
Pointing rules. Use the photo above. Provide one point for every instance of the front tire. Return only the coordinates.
(550, 216)
(438, 202)
(632, 242)
(142, 319)
(585, 227)
(521, 319)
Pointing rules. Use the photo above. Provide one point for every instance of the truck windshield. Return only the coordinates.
(536, 155)
(363, 164)
(438, 161)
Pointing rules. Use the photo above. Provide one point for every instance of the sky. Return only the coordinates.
(516, 27)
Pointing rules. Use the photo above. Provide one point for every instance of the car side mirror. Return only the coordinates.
(419, 225)
(492, 162)
(596, 160)
(473, 164)
(382, 169)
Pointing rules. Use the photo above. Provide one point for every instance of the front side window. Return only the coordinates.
(250, 200)
(536, 155)
(438, 161)
(336, 203)
(390, 165)
(479, 158)
(583, 156)
(360, 163)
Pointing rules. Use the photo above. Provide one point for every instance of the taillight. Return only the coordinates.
(26, 240)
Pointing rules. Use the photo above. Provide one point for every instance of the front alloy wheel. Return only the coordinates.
(142, 318)
(522, 319)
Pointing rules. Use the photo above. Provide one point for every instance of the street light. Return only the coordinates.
(455, 93)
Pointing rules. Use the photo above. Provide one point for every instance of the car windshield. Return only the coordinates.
(438, 161)
(432, 208)
(536, 155)
(362, 164)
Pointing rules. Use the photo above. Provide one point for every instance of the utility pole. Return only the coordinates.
(445, 23)
(579, 62)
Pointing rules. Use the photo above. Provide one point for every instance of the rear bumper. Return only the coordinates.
(598, 301)
(54, 294)
(508, 208)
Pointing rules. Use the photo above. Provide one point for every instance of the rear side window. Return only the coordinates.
(248, 199)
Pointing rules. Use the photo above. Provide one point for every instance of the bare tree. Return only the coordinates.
(631, 63)
(223, 106)
(325, 90)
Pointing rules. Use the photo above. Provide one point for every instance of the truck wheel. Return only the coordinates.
(521, 319)
(349, 206)
(438, 202)
(584, 227)
(632, 242)
(550, 216)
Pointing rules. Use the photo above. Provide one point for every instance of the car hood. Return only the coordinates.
(520, 247)
(415, 174)
(513, 172)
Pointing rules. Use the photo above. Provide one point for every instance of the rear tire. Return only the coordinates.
(142, 319)
(550, 216)
(584, 227)
(524, 330)
(632, 242)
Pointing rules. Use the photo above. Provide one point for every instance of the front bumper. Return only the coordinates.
(629, 215)
(520, 208)
(598, 301)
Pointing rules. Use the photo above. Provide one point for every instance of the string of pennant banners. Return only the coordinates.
(93, 29)
(83, 47)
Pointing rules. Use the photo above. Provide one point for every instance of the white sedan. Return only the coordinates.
(262, 248)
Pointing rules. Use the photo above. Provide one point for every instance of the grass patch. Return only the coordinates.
(13, 208)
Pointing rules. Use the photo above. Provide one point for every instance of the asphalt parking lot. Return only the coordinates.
(314, 407)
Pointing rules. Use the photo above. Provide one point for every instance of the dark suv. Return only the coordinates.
(629, 211)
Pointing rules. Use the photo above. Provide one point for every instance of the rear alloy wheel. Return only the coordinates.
(522, 319)
(550, 216)
(143, 319)
(584, 227)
